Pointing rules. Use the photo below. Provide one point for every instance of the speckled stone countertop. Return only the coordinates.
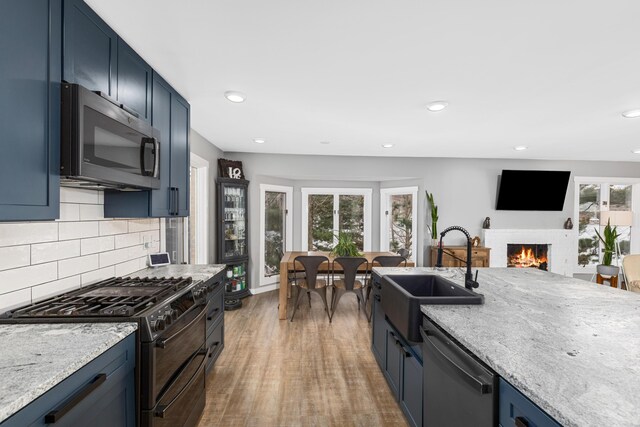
(195, 271)
(36, 357)
(571, 346)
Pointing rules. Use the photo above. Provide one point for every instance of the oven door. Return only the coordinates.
(183, 401)
(168, 354)
(108, 144)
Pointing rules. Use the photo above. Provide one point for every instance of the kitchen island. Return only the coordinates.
(570, 346)
(37, 357)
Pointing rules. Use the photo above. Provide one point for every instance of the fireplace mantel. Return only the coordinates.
(560, 253)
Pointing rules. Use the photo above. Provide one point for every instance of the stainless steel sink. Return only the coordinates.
(402, 295)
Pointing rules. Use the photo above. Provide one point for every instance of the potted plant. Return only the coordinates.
(434, 219)
(345, 246)
(608, 239)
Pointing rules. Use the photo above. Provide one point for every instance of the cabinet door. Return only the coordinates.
(516, 409)
(161, 120)
(134, 81)
(180, 161)
(30, 48)
(394, 362)
(379, 333)
(411, 388)
(90, 49)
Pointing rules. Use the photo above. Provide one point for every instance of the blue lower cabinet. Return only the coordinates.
(379, 331)
(215, 325)
(100, 394)
(517, 410)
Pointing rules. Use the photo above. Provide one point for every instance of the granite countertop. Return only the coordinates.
(36, 357)
(571, 346)
(195, 271)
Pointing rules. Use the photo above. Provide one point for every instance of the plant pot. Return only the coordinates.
(607, 270)
(434, 243)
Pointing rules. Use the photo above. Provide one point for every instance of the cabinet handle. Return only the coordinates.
(176, 212)
(376, 297)
(405, 353)
(57, 414)
(521, 422)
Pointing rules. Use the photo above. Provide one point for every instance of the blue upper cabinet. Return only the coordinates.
(180, 156)
(30, 48)
(90, 49)
(159, 203)
(134, 81)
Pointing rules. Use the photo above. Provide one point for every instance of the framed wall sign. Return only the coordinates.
(230, 169)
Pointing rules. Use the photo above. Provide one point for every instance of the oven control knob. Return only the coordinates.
(198, 293)
(158, 325)
(171, 315)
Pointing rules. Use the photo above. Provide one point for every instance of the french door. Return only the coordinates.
(276, 230)
(399, 220)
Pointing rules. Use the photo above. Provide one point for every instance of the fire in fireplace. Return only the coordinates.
(528, 256)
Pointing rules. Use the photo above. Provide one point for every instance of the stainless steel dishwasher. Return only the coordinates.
(459, 390)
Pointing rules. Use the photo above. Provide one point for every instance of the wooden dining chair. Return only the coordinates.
(382, 261)
(312, 280)
(346, 279)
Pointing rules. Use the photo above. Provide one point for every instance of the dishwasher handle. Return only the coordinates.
(474, 382)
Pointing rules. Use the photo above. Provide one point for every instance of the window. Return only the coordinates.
(329, 211)
(399, 220)
(275, 228)
(594, 196)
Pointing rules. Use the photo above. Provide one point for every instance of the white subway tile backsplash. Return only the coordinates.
(96, 275)
(78, 230)
(97, 244)
(126, 240)
(24, 233)
(14, 257)
(91, 212)
(53, 288)
(41, 259)
(118, 226)
(47, 252)
(26, 277)
(15, 299)
(69, 212)
(73, 266)
(78, 195)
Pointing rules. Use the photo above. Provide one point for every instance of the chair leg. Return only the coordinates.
(295, 306)
(323, 295)
(360, 297)
(309, 296)
(336, 297)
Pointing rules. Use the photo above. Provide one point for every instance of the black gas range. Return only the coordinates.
(172, 322)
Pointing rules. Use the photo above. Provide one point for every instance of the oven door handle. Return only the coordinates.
(162, 343)
(162, 409)
(156, 158)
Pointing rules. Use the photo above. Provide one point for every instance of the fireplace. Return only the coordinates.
(528, 256)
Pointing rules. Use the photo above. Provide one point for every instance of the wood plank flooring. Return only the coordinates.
(302, 373)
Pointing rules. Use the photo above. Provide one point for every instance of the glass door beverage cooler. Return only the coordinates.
(233, 239)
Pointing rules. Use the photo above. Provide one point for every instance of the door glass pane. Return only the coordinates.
(589, 221)
(624, 240)
(234, 221)
(620, 198)
(400, 224)
(351, 217)
(320, 230)
(274, 231)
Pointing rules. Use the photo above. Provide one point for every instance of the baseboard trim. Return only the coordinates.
(263, 289)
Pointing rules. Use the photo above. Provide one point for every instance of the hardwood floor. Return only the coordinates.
(306, 372)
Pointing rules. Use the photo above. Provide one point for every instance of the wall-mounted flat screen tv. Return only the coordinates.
(532, 190)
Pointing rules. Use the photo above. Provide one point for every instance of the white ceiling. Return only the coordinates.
(551, 75)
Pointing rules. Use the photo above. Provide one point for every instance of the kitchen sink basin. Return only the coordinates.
(402, 295)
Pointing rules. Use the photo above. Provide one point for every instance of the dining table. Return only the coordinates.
(287, 266)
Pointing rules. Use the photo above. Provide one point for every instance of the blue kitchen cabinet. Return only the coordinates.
(170, 115)
(30, 47)
(379, 330)
(90, 51)
(100, 394)
(134, 82)
(516, 410)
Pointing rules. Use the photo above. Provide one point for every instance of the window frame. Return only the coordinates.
(385, 195)
(288, 243)
(605, 182)
(336, 193)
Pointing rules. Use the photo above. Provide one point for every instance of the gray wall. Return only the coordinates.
(464, 189)
(203, 148)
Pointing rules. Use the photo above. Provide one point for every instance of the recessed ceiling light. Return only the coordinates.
(437, 106)
(235, 96)
(387, 145)
(520, 148)
(632, 114)
(259, 140)
(636, 151)
(325, 142)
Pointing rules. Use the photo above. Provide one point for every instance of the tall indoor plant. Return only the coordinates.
(608, 239)
(434, 219)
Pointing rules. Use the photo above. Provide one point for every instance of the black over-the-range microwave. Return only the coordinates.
(104, 144)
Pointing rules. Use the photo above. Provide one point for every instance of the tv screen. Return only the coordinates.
(531, 190)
